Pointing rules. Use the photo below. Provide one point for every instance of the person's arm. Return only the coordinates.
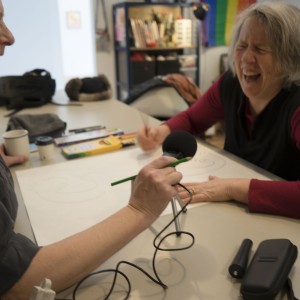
(279, 197)
(150, 139)
(196, 120)
(67, 261)
(262, 196)
(275, 197)
(202, 115)
(217, 189)
(11, 160)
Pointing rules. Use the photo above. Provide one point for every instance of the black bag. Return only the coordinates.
(269, 269)
(35, 88)
(38, 125)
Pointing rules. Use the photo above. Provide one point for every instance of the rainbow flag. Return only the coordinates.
(220, 18)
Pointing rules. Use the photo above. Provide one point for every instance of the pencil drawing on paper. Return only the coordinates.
(78, 193)
(67, 189)
(204, 163)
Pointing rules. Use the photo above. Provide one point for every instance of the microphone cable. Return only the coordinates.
(157, 245)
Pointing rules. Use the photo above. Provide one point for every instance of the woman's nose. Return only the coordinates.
(248, 56)
(6, 36)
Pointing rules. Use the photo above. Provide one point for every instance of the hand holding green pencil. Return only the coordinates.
(172, 164)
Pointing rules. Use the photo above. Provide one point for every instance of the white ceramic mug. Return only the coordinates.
(16, 142)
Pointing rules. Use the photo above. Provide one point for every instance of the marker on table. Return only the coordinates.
(87, 129)
(172, 164)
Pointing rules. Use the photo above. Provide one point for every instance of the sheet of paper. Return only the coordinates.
(65, 198)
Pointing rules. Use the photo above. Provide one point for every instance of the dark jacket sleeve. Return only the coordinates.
(16, 250)
(15, 259)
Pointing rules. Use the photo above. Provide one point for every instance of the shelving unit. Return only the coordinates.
(153, 39)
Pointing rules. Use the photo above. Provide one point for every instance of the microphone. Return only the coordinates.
(179, 144)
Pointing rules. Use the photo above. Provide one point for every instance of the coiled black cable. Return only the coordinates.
(157, 245)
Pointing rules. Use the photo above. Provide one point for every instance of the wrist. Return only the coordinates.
(165, 129)
(240, 190)
(143, 219)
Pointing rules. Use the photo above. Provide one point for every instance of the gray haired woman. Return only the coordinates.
(258, 98)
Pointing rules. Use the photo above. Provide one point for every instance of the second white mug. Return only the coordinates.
(16, 142)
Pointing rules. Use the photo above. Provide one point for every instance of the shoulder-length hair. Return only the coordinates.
(282, 26)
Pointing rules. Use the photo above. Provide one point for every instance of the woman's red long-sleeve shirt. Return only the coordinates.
(274, 197)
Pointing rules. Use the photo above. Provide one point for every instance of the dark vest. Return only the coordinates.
(270, 145)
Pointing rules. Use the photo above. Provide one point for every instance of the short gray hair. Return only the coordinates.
(282, 26)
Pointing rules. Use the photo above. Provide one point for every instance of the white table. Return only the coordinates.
(219, 228)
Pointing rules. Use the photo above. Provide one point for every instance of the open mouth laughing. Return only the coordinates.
(251, 77)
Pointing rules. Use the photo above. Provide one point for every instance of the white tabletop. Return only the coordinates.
(219, 228)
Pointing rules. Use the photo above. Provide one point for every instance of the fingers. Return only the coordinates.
(214, 190)
(154, 187)
(146, 139)
(162, 162)
(2, 149)
(157, 171)
(14, 160)
(150, 138)
(200, 191)
(11, 160)
(193, 191)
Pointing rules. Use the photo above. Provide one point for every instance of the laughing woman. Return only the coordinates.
(259, 100)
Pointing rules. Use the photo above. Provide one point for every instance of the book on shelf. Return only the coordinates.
(135, 33)
(145, 33)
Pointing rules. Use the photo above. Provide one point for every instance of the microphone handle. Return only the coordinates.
(238, 266)
(177, 224)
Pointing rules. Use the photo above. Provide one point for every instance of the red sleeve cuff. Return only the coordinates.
(275, 197)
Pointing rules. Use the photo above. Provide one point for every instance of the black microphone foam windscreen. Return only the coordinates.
(180, 144)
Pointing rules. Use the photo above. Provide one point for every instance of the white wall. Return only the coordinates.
(210, 65)
(44, 41)
(106, 60)
(78, 44)
(36, 46)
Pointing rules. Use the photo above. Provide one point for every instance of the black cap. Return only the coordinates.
(43, 140)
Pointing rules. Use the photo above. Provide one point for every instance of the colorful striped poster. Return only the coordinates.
(220, 19)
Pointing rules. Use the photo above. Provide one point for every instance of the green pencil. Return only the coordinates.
(172, 164)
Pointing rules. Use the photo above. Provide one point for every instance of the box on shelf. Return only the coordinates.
(183, 32)
(142, 71)
(164, 67)
(188, 61)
